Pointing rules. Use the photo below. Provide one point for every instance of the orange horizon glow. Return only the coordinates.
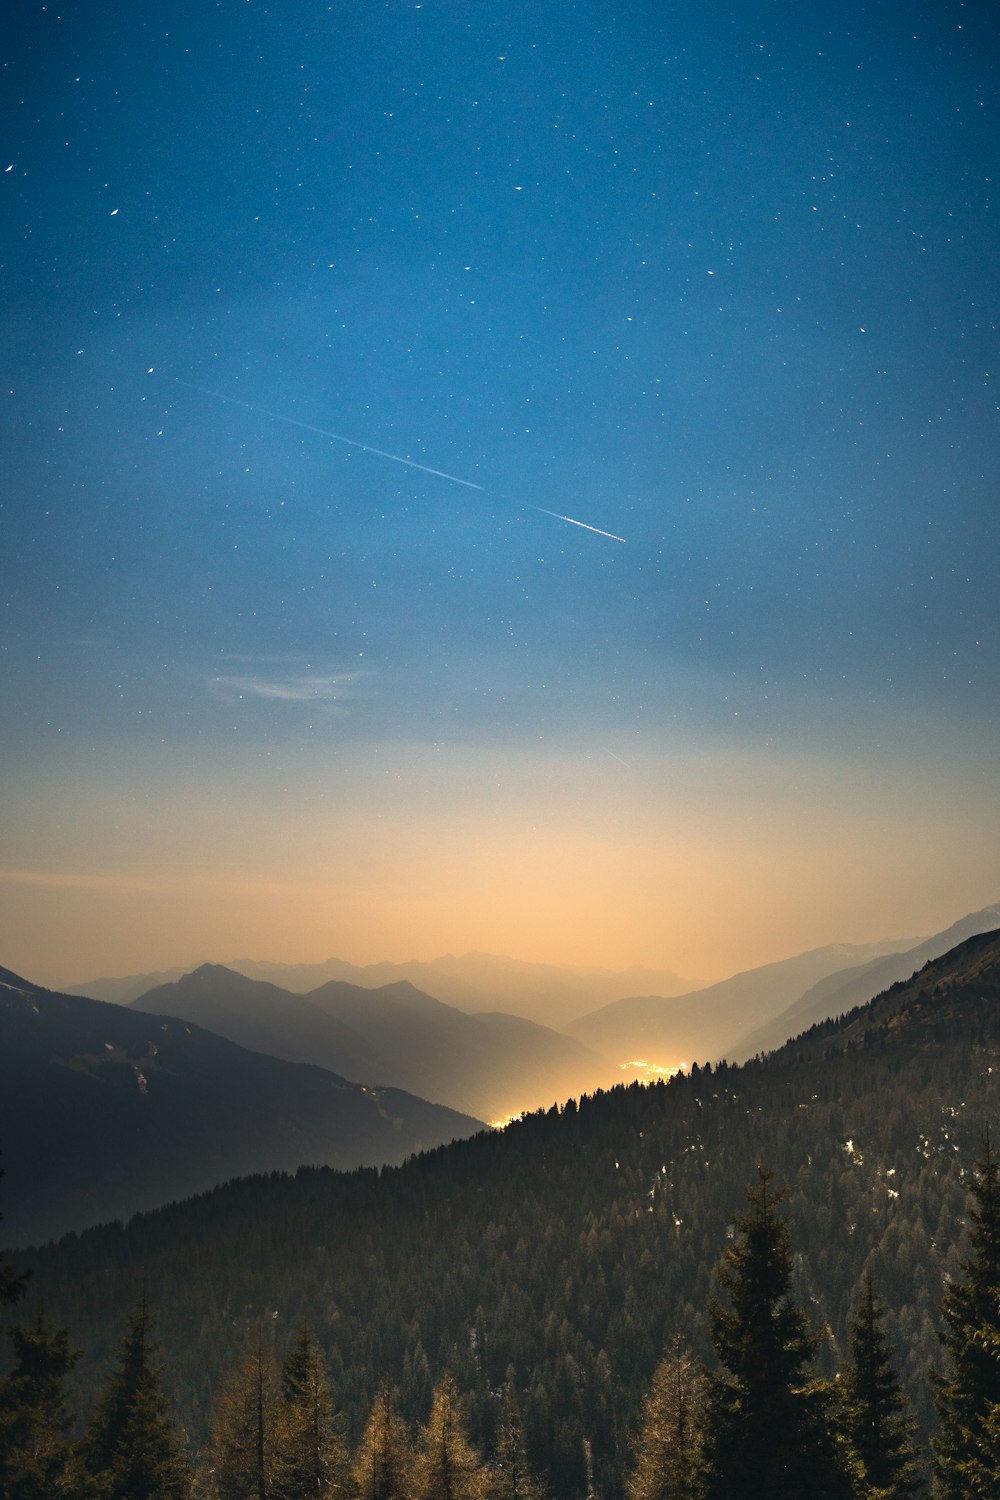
(704, 864)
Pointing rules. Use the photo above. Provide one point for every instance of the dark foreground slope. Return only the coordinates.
(570, 1247)
(106, 1111)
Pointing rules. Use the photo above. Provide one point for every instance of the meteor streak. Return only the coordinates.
(277, 416)
(396, 458)
(541, 508)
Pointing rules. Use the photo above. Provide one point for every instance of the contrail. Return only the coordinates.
(396, 458)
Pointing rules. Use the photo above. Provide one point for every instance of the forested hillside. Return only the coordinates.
(564, 1253)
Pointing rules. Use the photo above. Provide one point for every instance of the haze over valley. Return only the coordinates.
(111, 1108)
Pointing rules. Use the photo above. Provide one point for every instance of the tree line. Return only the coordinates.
(757, 1423)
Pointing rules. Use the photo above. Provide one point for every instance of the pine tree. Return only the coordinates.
(511, 1478)
(967, 1451)
(12, 1281)
(37, 1462)
(382, 1462)
(242, 1448)
(768, 1430)
(665, 1452)
(130, 1447)
(879, 1422)
(310, 1455)
(446, 1466)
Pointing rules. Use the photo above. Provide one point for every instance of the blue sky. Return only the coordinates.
(720, 283)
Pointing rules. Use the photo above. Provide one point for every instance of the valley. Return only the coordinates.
(584, 1236)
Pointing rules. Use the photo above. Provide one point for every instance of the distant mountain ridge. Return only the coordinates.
(491, 1066)
(548, 994)
(105, 1111)
(734, 1018)
(847, 988)
(940, 998)
(777, 1000)
(700, 1025)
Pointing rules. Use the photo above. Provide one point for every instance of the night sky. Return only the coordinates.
(720, 281)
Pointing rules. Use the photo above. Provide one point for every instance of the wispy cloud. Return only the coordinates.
(292, 687)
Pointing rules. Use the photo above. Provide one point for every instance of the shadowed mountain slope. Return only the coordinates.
(105, 1111)
(492, 1066)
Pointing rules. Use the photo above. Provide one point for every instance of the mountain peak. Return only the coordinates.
(209, 970)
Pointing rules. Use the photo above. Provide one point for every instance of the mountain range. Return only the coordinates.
(548, 994)
(565, 1251)
(758, 1010)
(422, 1038)
(106, 1110)
(492, 1066)
(840, 991)
(704, 1023)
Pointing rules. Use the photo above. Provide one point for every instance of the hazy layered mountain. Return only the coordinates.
(702, 1024)
(105, 1111)
(126, 988)
(953, 998)
(265, 1018)
(549, 994)
(841, 991)
(491, 1066)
